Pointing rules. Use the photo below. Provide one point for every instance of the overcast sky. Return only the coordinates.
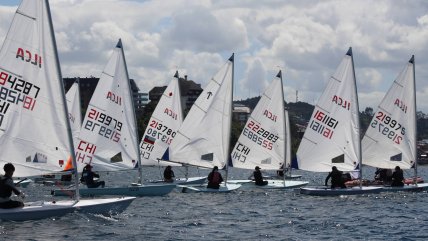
(306, 39)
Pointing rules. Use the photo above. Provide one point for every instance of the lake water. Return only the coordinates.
(240, 215)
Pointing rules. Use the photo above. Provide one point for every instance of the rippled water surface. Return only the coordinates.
(241, 215)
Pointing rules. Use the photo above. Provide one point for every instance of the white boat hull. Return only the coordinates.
(272, 184)
(223, 188)
(186, 181)
(37, 210)
(320, 191)
(104, 206)
(136, 191)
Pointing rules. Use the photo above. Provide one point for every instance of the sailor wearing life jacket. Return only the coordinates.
(214, 178)
(7, 187)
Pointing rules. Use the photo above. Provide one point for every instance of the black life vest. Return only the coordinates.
(5, 190)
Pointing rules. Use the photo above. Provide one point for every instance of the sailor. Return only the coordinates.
(397, 177)
(88, 177)
(168, 174)
(7, 187)
(258, 177)
(336, 178)
(214, 178)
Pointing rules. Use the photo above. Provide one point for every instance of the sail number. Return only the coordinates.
(259, 135)
(161, 132)
(13, 91)
(323, 124)
(100, 122)
(388, 127)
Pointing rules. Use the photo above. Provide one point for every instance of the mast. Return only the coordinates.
(279, 75)
(358, 122)
(415, 147)
(177, 76)
(288, 146)
(230, 113)
(80, 102)
(140, 169)
(64, 102)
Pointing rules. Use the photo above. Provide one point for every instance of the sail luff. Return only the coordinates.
(283, 114)
(288, 145)
(360, 164)
(64, 101)
(140, 169)
(415, 149)
(232, 58)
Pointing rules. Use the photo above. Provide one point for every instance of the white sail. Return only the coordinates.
(203, 139)
(262, 141)
(163, 126)
(332, 136)
(33, 130)
(108, 139)
(390, 139)
(74, 110)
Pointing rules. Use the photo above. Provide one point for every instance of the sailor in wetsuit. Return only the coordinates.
(7, 187)
(336, 178)
(88, 177)
(397, 177)
(168, 174)
(214, 179)
(258, 177)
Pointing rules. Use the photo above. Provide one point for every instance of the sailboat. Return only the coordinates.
(108, 138)
(390, 139)
(203, 138)
(161, 130)
(262, 141)
(35, 133)
(332, 137)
